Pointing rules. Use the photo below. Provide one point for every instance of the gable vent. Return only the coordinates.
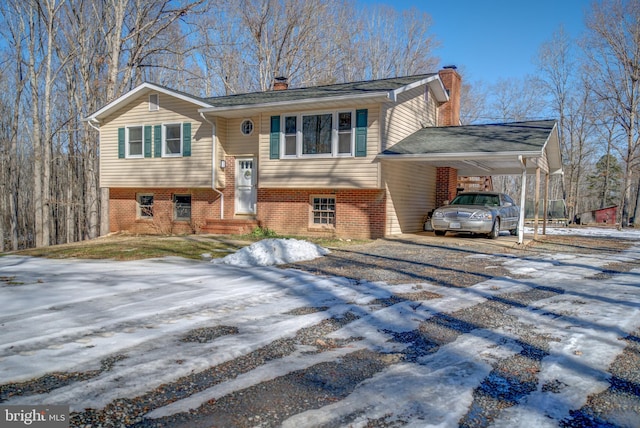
(154, 105)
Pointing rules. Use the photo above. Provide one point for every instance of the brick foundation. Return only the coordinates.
(360, 214)
(205, 204)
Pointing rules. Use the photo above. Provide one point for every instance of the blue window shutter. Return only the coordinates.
(361, 133)
(157, 141)
(147, 141)
(274, 141)
(186, 139)
(121, 143)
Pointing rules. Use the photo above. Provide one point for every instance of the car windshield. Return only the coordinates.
(476, 199)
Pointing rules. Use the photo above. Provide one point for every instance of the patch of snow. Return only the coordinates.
(269, 252)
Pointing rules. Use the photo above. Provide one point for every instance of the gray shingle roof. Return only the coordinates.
(491, 138)
(337, 90)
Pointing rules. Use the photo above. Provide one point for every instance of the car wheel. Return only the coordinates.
(440, 232)
(514, 231)
(495, 230)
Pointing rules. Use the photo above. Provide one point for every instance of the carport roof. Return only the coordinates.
(490, 149)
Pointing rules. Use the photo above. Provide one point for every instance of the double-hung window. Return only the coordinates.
(318, 135)
(134, 142)
(172, 139)
(290, 135)
(345, 133)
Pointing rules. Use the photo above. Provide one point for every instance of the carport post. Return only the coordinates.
(536, 205)
(523, 185)
(545, 203)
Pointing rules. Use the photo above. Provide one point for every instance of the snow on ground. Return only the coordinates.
(69, 315)
(269, 252)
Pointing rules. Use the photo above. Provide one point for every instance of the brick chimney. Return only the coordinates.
(280, 84)
(449, 112)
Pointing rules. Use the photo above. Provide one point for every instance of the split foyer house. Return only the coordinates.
(355, 160)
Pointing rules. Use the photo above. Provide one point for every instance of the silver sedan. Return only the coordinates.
(477, 212)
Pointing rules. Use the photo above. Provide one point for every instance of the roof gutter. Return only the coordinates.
(455, 156)
(214, 147)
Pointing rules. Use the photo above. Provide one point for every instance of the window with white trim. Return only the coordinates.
(134, 142)
(321, 134)
(144, 206)
(182, 207)
(323, 211)
(172, 139)
(345, 133)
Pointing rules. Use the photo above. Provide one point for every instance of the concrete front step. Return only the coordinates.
(230, 226)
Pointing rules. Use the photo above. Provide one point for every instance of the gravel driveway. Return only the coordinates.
(448, 263)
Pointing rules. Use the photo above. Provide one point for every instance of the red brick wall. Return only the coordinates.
(449, 112)
(230, 187)
(205, 204)
(359, 213)
(446, 184)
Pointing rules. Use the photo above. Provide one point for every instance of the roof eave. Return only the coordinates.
(376, 96)
(435, 84)
(555, 162)
(122, 100)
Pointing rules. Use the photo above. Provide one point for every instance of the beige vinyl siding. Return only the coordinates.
(411, 194)
(332, 172)
(192, 171)
(543, 162)
(236, 143)
(407, 115)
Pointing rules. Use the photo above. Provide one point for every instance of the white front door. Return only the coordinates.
(245, 186)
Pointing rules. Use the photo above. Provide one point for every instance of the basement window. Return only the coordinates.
(182, 207)
(145, 206)
(323, 211)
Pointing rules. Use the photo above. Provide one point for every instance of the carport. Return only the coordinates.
(517, 148)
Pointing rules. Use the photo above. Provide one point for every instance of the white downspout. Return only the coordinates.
(523, 163)
(214, 166)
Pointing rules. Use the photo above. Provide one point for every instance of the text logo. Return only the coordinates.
(34, 416)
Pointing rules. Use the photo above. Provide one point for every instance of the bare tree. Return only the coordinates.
(612, 48)
(389, 43)
(13, 30)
